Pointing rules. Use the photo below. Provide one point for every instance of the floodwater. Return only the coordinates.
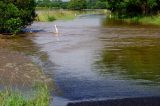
(96, 59)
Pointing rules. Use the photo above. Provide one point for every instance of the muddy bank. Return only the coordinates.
(148, 101)
(16, 66)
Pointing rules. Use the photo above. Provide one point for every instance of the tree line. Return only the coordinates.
(17, 14)
(52, 3)
(73, 4)
(122, 8)
(131, 8)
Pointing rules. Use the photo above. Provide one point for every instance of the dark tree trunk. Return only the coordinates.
(144, 8)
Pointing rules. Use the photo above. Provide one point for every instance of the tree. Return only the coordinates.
(77, 4)
(100, 5)
(16, 14)
(52, 3)
(134, 7)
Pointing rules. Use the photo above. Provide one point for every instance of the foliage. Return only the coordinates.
(125, 8)
(121, 8)
(15, 15)
(45, 14)
(77, 4)
(97, 4)
(150, 20)
(73, 4)
(52, 3)
(45, 17)
(15, 98)
(101, 5)
(55, 14)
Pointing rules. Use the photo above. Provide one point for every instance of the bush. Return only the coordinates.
(77, 4)
(132, 8)
(15, 15)
(13, 25)
(101, 5)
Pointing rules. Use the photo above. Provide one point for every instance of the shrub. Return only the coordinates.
(77, 4)
(15, 15)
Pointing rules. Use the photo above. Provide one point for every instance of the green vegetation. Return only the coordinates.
(145, 20)
(152, 20)
(52, 4)
(77, 4)
(139, 11)
(54, 14)
(136, 11)
(131, 8)
(100, 5)
(43, 16)
(74, 4)
(97, 4)
(15, 15)
(15, 98)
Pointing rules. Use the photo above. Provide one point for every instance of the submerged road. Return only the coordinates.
(97, 60)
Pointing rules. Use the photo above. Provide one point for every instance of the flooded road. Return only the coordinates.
(95, 59)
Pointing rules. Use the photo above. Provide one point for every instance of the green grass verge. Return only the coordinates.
(51, 15)
(153, 20)
(40, 97)
(59, 14)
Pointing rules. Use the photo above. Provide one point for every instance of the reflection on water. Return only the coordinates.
(138, 60)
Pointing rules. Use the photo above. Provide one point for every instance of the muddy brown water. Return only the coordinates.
(97, 59)
(18, 71)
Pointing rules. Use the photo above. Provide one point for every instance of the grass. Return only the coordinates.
(46, 15)
(155, 20)
(41, 97)
(144, 20)
(42, 16)
(150, 20)
(51, 15)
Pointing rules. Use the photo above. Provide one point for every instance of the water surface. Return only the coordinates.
(96, 59)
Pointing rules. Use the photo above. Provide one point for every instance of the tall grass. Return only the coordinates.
(55, 14)
(153, 20)
(45, 16)
(41, 97)
(51, 15)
